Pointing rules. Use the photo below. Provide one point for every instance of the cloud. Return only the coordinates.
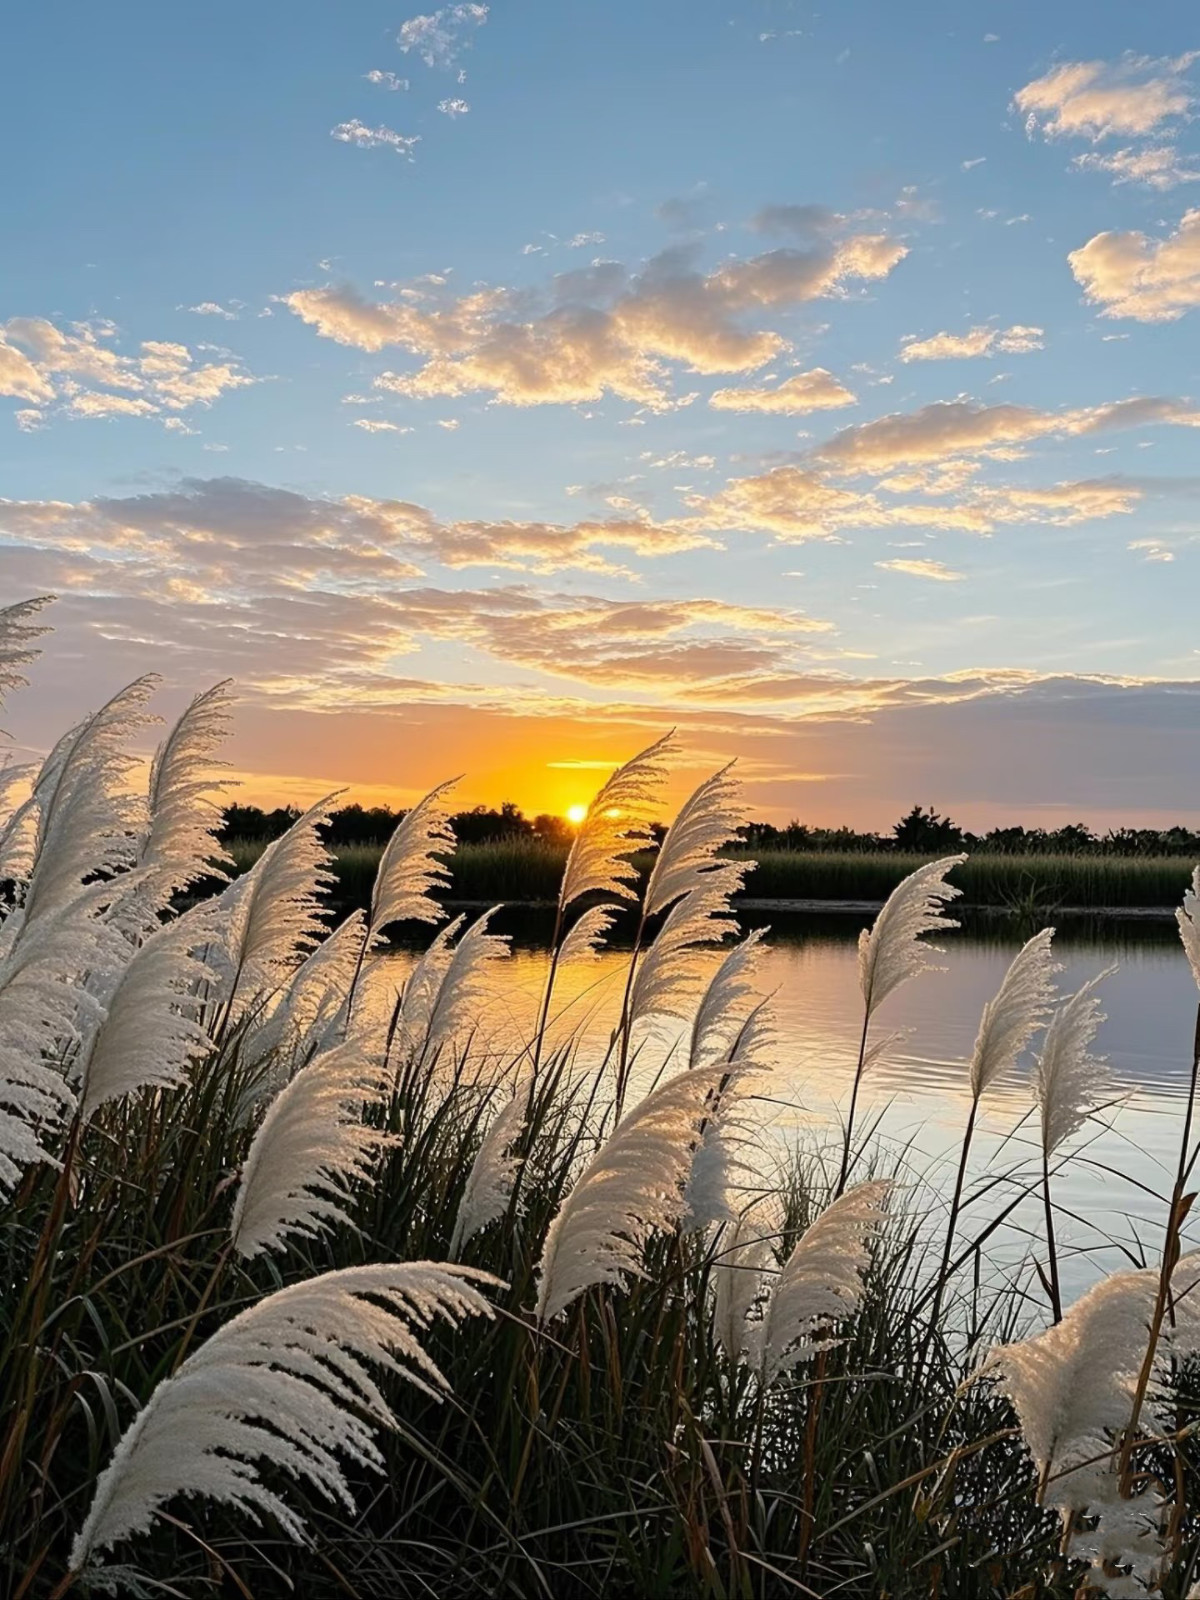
(948, 428)
(386, 80)
(1157, 166)
(1015, 341)
(798, 222)
(210, 308)
(1132, 275)
(78, 373)
(439, 36)
(453, 108)
(817, 390)
(374, 425)
(921, 568)
(597, 331)
(1096, 99)
(358, 133)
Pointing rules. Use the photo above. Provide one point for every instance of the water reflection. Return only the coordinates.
(917, 1096)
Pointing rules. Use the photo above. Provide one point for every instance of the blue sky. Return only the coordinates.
(825, 382)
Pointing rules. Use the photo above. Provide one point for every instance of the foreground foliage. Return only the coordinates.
(316, 1280)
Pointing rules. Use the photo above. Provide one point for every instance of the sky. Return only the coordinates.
(490, 389)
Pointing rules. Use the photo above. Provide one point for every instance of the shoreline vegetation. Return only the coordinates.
(320, 1280)
(527, 872)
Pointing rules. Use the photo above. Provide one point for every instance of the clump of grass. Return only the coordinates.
(668, 1358)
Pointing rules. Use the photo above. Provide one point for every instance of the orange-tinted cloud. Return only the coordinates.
(1133, 275)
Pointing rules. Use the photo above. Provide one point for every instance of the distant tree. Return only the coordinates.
(252, 822)
(483, 823)
(554, 830)
(923, 830)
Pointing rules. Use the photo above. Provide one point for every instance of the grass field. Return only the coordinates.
(530, 871)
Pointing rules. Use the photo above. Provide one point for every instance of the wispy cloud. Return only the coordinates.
(919, 567)
(1097, 99)
(386, 80)
(817, 390)
(77, 372)
(1158, 166)
(382, 138)
(440, 36)
(1015, 341)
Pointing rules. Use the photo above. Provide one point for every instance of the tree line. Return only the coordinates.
(920, 830)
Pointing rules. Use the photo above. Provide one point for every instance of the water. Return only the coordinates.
(1109, 1194)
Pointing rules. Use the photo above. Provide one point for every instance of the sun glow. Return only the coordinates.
(576, 814)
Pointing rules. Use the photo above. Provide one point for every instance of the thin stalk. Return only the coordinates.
(625, 1024)
(544, 1009)
(955, 1207)
(858, 1073)
(1051, 1244)
(1171, 1251)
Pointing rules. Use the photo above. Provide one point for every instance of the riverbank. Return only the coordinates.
(528, 872)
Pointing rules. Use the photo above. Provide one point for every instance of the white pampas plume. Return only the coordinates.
(717, 1161)
(724, 1007)
(1072, 1384)
(468, 982)
(420, 992)
(17, 832)
(311, 1145)
(181, 844)
(616, 826)
(586, 934)
(18, 629)
(88, 819)
(668, 975)
(313, 999)
(1188, 918)
(747, 1251)
(409, 869)
(631, 1187)
(490, 1181)
(1018, 1009)
(1068, 1081)
(45, 1008)
(821, 1282)
(895, 950)
(707, 820)
(149, 1032)
(284, 1383)
(274, 910)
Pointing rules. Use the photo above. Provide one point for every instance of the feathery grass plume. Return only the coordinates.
(745, 1254)
(1070, 1386)
(274, 910)
(421, 989)
(18, 629)
(821, 1282)
(723, 1009)
(410, 870)
(1068, 1081)
(181, 844)
(633, 1186)
(586, 934)
(668, 976)
(1188, 918)
(468, 983)
(895, 950)
(490, 1181)
(296, 1362)
(17, 831)
(1018, 1009)
(729, 1130)
(616, 826)
(706, 821)
(45, 1008)
(312, 1002)
(149, 1032)
(312, 1143)
(88, 819)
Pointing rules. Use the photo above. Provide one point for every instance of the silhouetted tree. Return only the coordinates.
(924, 830)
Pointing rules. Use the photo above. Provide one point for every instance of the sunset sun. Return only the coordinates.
(576, 814)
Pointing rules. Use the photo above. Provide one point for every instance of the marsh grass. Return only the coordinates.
(1033, 886)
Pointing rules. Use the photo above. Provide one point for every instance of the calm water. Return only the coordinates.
(916, 1095)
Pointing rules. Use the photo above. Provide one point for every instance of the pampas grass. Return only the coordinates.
(232, 1144)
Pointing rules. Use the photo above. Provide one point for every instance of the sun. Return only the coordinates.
(576, 814)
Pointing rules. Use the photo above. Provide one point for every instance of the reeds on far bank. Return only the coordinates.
(317, 1283)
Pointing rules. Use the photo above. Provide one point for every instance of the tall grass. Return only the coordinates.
(524, 870)
(667, 1358)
